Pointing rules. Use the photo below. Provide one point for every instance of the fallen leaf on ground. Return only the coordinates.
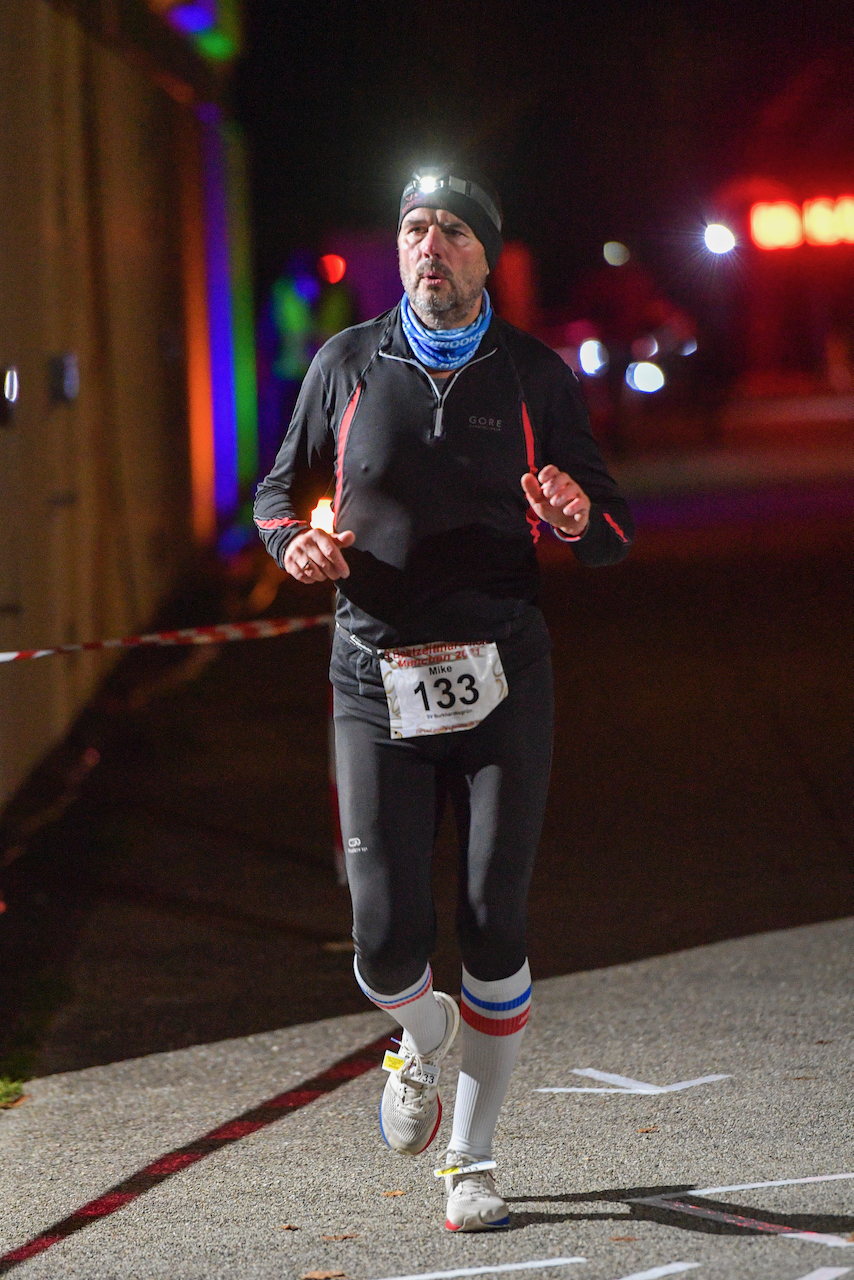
(824, 1042)
(16, 1102)
(324, 1275)
(804, 1077)
(351, 1236)
(623, 1239)
(289, 1226)
(653, 1128)
(394, 1193)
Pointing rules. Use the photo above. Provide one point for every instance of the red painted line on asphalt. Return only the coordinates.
(732, 1219)
(166, 1166)
(736, 1220)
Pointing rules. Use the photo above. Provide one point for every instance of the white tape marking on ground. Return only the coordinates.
(626, 1082)
(826, 1273)
(593, 1089)
(689, 1084)
(628, 1085)
(815, 1237)
(669, 1269)
(505, 1266)
(779, 1182)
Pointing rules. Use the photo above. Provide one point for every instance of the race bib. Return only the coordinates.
(437, 688)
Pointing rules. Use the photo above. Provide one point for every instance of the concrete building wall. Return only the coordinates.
(94, 491)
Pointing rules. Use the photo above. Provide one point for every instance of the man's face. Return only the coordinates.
(443, 267)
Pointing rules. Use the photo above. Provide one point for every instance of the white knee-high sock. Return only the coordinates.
(494, 1017)
(416, 1009)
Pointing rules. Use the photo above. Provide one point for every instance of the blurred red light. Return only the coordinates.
(820, 222)
(332, 268)
(782, 225)
(845, 218)
(776, 226)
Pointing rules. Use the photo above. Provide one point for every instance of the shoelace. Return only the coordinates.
(412, 1078)
(472, 1184)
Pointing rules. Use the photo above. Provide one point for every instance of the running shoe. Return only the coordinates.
(411, 1109)
(473, 1202)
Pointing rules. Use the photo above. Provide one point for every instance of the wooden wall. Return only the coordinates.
(94, 493)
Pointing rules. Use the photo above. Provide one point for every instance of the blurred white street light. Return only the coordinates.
(645, 376)
(615, 254)
(718, 238)
(592, 357)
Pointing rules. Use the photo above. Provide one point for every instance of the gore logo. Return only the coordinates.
(485, 424)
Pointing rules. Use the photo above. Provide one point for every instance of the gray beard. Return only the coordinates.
(442, 313)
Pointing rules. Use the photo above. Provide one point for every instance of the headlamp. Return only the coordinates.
(429, 183)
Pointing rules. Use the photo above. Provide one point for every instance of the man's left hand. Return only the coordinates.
(555, 497)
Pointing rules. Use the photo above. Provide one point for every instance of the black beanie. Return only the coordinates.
(462, 196)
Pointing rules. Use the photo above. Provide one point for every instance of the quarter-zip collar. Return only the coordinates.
(394, 346)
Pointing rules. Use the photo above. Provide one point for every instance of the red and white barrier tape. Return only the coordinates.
(260, 629)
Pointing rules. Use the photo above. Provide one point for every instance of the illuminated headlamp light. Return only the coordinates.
(428, 184)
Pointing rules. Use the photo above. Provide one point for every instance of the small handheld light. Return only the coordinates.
(323, 517)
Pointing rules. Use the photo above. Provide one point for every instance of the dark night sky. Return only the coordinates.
(595, 120)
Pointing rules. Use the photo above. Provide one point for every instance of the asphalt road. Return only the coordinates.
(585, 1173)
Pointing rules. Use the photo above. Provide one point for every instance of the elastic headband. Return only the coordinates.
(429, 184)
(460, 196)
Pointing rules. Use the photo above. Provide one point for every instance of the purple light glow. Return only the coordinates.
(219, 318)
(308, 288)
(194, 17)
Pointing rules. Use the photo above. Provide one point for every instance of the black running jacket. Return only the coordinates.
(428, 479)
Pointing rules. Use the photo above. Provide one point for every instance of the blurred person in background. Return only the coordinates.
(448, 436)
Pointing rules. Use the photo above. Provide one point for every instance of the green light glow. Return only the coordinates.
(215, 45)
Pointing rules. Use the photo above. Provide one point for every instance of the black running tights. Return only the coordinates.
(391, 794)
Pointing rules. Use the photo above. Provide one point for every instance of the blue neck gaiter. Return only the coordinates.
(444, 348)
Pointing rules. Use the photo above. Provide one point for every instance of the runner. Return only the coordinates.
(448, 436)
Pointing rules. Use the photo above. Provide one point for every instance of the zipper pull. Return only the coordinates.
(437, 421)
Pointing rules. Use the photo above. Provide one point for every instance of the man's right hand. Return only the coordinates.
(315, 555)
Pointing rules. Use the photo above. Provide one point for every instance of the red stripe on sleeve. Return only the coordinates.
(529, 439)
(615, 526)
(278, 524)
(342, 444)
(532, 518)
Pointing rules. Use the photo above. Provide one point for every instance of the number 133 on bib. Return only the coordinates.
(437, 688)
